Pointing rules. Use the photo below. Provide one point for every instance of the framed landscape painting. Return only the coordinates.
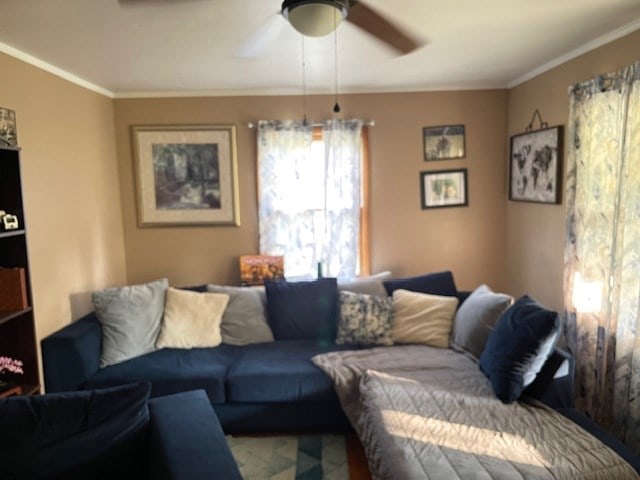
(443, 142)
(186, 175)
(444, 188)
(535, 166)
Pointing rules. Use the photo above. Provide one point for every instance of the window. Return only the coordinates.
(313, 197)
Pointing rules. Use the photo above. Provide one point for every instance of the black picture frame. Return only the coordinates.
(535, 166)
(444, 188)
(444, 142)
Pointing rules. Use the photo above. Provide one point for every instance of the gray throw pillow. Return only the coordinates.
(130, 317)
(476, 318)
(244, 321)
(369, 285)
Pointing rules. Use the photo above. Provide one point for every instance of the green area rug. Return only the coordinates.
(306, 457)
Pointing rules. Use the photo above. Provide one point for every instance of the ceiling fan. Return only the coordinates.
(315, 18)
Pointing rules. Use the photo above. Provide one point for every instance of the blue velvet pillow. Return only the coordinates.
(439, 283)
(76, 435)
(518, 347)
(303, 310)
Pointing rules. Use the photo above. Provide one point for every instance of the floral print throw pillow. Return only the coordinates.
(364, 319)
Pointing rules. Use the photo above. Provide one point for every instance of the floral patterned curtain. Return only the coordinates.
(602, 252)
(291, 221)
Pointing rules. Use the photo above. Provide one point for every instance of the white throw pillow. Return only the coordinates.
(191, 319)
(369, 285)
(422, 318)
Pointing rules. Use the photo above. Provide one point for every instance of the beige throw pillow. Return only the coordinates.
(191, 319)
(422, 318)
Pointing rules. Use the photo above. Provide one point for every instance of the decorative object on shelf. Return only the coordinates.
(535, 163)
(13, 289)
(186, 175)
(13, 367)
(8, 131)
(9, 222)
(255, 269)
(444, 142)
(444, 188)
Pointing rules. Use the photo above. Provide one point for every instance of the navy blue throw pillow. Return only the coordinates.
(518, 347)
(303, 310)
(76, 435)
(439, 283)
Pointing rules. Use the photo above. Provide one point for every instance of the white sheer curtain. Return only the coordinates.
(286, 219)
(310, 211)
(602, 256)
(343, 147)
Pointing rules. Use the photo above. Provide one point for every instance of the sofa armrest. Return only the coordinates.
(71, 355)
(554, 383)
(604, 436)
(186, 440)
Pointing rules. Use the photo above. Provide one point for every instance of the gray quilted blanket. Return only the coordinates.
(428, 413)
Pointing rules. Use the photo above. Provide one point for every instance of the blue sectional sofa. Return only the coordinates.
(253, 388)
(113, 433)
(272, 386)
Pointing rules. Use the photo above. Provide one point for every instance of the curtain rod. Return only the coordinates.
(366, 123)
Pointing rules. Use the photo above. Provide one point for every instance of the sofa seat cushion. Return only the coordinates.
(280, 372)
(172, 370)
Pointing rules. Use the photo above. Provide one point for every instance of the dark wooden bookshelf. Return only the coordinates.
(17, 328)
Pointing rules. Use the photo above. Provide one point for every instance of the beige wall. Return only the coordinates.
(70, 188)
(82, 218)
(535, 233)
(405, 239)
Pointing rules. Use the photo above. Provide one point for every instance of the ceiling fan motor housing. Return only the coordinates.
(315, 18)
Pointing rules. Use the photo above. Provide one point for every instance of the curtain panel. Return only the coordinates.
(602, 249)
(291, 222)
(340, 246)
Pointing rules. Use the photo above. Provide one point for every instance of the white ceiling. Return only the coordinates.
(186, 47)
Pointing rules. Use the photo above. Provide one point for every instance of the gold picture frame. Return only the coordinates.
(186, 175)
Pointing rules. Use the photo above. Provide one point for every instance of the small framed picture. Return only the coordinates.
(443, 142)
(8, 131)
(186, 175)
(444, 188)
(535, 166)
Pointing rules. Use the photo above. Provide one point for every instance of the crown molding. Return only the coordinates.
(58, 72)
(587, 47)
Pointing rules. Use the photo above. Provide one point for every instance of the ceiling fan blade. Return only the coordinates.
(145, 3)
(263, 38)
(375, 24)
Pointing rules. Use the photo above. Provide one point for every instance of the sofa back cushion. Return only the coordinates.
(518, 347)
(76, 435)
(439, 283)
(244, 321)
(303, 310)
(130, 317)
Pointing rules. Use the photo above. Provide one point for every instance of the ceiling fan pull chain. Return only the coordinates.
(336, 107)
(304, 84)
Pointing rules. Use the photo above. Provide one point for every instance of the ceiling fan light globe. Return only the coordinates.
(314, 18)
